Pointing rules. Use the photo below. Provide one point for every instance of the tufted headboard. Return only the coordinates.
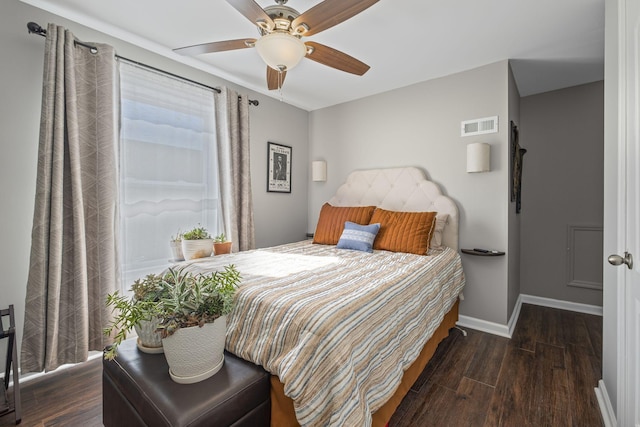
(399, 189)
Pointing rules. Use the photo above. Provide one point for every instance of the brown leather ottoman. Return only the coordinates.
(137, 391)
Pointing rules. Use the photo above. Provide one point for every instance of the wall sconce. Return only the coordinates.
(478, 157)
(319, 171)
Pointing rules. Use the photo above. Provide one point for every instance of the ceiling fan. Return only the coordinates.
(282, 28)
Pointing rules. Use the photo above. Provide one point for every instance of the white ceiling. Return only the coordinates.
(552, 43)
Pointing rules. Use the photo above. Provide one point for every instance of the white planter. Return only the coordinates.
(195, 354)
(192, 249)
(149, 340)
(176, 250)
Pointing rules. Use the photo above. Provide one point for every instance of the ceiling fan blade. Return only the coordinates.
(215, 47)
(275, 79)
(334, 58)
(329, 13)
(252, 11)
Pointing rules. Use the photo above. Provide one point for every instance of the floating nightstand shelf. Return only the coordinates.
(482, 252)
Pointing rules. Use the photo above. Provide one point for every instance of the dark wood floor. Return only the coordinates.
(543, 376)
(70, 397)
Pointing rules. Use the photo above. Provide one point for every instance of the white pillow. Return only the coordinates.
(436, 238)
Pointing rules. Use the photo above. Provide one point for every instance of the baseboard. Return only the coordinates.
(608, 415)
(513, 320)
(507, 330)
(563, 305)
(492, 327)
(483, 325)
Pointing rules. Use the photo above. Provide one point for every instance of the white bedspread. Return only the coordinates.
(338, 327)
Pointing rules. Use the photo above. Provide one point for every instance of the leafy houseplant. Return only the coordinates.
(191, 311)
(193, 321)
(194, 300)
(196, 243)
(221, 245)
(139, 312)
(196, 233)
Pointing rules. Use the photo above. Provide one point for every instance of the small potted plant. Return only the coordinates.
(176, 247)
(194, 321)
(221, 245)
(196, 243)
(139, 312)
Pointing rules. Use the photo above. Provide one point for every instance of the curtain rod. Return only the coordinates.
(38, 30)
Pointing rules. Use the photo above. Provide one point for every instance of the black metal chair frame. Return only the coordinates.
(12, 360)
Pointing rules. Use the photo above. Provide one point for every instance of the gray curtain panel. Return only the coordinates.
(74, 260)
(232, 124)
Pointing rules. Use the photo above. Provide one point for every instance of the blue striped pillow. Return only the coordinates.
(358, 237)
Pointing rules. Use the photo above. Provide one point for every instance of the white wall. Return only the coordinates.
(279, 218)
(419, 125)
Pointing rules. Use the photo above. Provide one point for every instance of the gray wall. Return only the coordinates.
(562, 184)
(513, 251)
(419, 125)
(279, 218)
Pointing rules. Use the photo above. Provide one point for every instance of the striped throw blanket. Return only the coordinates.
(338, 327)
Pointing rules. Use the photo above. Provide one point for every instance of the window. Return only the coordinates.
(168, 166)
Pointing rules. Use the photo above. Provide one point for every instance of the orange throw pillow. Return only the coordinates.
(404, 231)
(332, 219)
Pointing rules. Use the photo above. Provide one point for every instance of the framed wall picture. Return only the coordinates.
(278, 168)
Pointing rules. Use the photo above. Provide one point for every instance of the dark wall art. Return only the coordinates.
(278, 168)
(516, 156)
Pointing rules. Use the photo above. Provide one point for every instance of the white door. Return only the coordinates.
(629, 241)
(632, 279)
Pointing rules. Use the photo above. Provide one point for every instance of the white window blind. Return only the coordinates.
(168, 166)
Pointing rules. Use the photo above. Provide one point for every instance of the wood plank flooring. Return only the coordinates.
(543, 376)
(70, 397)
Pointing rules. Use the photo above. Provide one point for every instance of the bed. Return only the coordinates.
(345, 333)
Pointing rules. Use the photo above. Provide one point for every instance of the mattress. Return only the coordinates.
(337, 327)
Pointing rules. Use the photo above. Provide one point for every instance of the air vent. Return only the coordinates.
(479, 126)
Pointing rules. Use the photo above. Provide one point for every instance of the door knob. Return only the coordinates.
(618, 260)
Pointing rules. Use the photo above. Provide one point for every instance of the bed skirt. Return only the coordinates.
(283, 414)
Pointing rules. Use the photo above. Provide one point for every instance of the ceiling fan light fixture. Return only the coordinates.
(264, 25)
(281, 51)
(301, 29)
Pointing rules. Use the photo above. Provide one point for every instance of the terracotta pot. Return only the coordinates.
(222, 248)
